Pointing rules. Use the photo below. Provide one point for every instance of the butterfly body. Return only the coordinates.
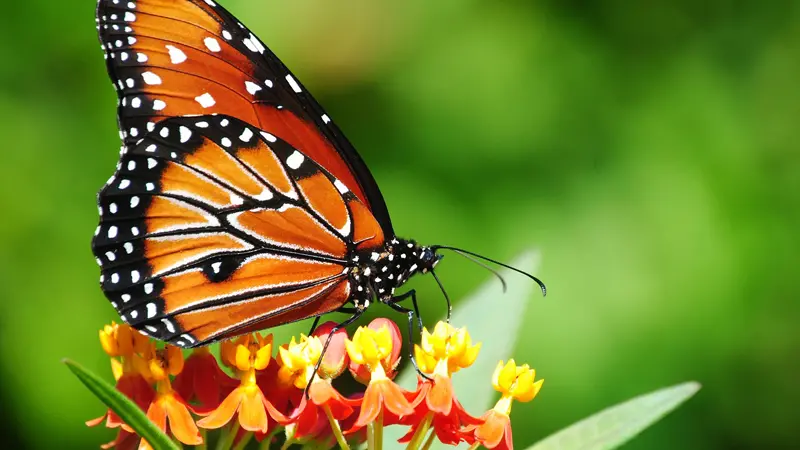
(379, 273)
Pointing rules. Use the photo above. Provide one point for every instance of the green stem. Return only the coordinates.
(375, 433)
(243, 441)
(290, 431)
(204, 436)
(379, 431)
(429, 441)
(474, 446)
(419, 435)
(226, 440)
(265, 443)
(337, 430)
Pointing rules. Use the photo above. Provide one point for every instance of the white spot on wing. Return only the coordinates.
(268, 136)
(151, 78)
(326, 119)
(176, 55)
(341, 187)
(185, 134)
(158, 105)
(169, 325)
(295, 160)
(212, 44)
(295, 87)
(246, 135)
(151, 310)
(251, 87)
(206, 100)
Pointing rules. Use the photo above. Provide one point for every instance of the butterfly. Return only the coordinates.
(237, 203)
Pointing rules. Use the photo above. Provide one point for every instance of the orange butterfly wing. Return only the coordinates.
(211, 227)
(170, 58)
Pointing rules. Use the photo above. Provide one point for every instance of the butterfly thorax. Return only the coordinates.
(377, 274)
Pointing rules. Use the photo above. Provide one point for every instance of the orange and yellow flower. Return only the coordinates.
(319, 415)
(514, 383)
(247, 355)
(374, 355)
(287, 394)
(441, 353)
(168, 408)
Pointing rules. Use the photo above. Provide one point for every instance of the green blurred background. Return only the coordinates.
(648, 149)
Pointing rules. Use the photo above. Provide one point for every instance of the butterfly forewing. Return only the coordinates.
(211, 226)
(170, 58)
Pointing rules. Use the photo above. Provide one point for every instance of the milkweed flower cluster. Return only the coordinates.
(275, 396)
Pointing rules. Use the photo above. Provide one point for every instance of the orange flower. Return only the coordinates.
(374, 354)
(168, 408)
(203, 380)
(514, 383)
(441, 354)
(122, 343)
(247, 356)
(324, 406)
(120, 340)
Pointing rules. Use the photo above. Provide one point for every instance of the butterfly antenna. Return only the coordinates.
(446, 297)
(467, 254)
(485, 266)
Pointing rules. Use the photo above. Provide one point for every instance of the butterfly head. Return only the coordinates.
(428, 259)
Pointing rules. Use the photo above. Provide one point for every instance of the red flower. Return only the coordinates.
(203, 381)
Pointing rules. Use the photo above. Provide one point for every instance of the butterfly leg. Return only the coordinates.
(413, 294)
(358, 312)
(410, 314)
(314, 325)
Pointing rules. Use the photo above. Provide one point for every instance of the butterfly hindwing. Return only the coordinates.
(210, 226)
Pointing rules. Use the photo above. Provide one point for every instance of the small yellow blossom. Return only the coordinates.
(298, 360)
(514, 382)
(245, 353)
(122, 340)
(372, 348)
(157, 365)
(445, 351)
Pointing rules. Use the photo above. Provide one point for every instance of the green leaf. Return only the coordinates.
(492, 318)
(122, 405)
(614, 426)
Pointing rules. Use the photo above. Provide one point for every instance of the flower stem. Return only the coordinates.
(290, 432)
(243, 441)
(416, 440)
(474, 446)
(429, 441)
(337, 430)
(265, 443)
(226, 440)
(375, 433)
(379, 431)
(204, 436)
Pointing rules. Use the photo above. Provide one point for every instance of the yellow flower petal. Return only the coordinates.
(426, 362)
(174, 359)
(354, 351)
(263, 355)
(242, 358)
